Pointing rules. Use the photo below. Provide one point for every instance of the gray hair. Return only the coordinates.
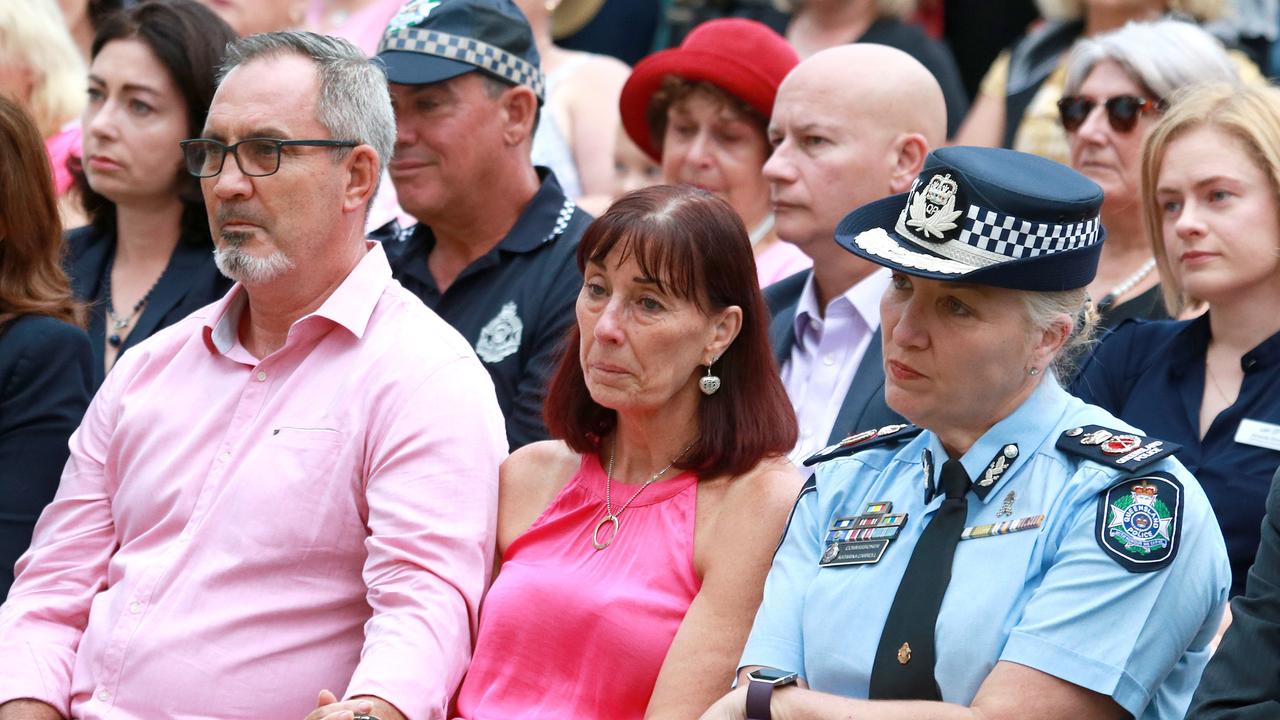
(1162, 56)
(1068, 10)
(1045, 308)
(354, 102)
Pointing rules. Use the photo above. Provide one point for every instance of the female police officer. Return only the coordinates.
(1017, 553)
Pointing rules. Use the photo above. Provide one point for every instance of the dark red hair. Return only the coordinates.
(696, 247)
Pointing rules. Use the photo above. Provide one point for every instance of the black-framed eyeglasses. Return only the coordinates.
(256, 157)
(1122, 111)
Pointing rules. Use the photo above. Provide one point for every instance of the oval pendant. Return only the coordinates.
(595, 534)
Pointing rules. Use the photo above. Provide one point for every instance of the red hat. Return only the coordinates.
(743, 57)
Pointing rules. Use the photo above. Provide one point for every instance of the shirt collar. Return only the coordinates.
(1027, 428)
(542, 220)
(863, 297)
(350, 306)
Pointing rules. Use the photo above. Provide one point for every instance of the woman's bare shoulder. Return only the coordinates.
(548, 462)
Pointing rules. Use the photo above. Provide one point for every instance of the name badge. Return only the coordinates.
(1258, 434)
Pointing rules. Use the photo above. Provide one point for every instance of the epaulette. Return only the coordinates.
(1115, 448)
(860, 441)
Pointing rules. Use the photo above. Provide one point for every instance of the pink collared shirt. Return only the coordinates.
(232, 535)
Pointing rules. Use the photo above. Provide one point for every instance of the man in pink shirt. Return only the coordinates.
(293, 489)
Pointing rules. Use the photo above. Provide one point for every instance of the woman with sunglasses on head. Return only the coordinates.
(1210, 177)
(146, 258)
(1116, 88)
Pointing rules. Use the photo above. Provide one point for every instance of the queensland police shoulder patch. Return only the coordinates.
(1140, 520)
(861, 441)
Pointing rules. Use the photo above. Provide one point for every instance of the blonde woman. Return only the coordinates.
(1210, 173)
(41, 70)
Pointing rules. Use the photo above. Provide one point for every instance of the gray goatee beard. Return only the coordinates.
(235, 263)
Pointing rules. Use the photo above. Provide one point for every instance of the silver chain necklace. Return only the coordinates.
(610, 517)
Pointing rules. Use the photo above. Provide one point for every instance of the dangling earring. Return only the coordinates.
(711, 383)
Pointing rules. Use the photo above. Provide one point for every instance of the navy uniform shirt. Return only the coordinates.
(1151, 375)
(1039, 590)
(514, 304)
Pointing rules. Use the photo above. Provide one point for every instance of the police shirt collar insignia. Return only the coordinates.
(862, 440)
(932, 210)
(1139, 521)
(1115, 448)
(501, 336)
(996, 469)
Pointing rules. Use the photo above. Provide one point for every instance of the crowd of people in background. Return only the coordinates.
(493, 359)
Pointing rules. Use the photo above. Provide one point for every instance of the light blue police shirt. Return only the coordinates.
(1049, 598)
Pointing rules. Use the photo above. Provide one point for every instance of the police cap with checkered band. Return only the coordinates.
(986, 216)
(429, 41)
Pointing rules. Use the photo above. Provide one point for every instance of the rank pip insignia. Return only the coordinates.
(860, 440)
(1116, 449)
(862, 539)
(1139, 521)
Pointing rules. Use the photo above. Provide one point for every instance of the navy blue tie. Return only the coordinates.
(905, 658)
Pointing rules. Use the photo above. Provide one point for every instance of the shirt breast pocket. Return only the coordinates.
(300, 488)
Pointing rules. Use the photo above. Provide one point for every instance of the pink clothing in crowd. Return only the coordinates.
(232, 535)
(61, 146)
(363, 27)
(780, 260)
(569, 631)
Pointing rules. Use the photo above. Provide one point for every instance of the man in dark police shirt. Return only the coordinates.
(493, 250)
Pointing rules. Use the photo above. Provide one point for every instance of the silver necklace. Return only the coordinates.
(610, 517)
(1118, 291)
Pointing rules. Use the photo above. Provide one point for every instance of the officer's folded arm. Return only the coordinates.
(1010, 692)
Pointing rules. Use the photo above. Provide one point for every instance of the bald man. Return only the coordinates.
(841, 139)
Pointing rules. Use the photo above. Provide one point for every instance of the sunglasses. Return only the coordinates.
(1122, 110)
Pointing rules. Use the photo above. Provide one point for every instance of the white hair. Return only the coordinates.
(235, 263)
(1162, 56)
(1046, 308)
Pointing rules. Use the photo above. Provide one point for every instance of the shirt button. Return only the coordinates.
(1249, 363)
(103, 695)
(829, 359)
(262, 376)
(135, 607)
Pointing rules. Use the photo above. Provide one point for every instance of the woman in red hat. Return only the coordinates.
(702, 111)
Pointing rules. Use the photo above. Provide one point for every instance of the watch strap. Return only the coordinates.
(759, 700)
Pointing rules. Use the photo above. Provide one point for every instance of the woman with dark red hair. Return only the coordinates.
(634, 547)
(702, 112)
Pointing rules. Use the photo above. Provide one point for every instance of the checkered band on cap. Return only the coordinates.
(473, 52)
(988, 237)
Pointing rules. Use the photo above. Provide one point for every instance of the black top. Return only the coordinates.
(514, 304)
(933, 54)
(188, 283)
(1147, 306)
(46, 369)
(1152, 374)
(1240, 681)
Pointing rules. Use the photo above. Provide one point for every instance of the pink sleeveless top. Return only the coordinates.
(568, 631)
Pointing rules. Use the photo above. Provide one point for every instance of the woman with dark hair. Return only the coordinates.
(701, 111)
(45, 363)
(633, 548)
(145, 261)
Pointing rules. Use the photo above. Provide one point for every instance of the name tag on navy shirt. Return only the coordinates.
(1258, 434)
